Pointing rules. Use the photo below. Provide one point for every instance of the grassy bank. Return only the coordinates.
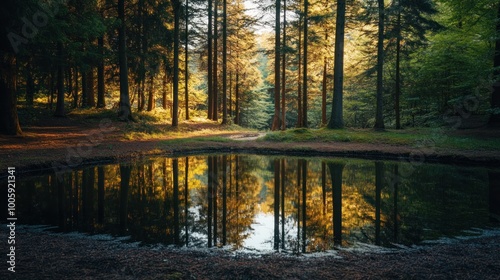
(421, 137)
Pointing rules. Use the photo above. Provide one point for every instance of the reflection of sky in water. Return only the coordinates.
(261, 237)
(429, 202)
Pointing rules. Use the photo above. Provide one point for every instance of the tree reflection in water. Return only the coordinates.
(265, 203)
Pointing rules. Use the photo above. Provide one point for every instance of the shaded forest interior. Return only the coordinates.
(260, 64)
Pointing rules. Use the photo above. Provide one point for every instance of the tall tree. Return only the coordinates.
(224, 63)
(124, 113)
(60, 81)
(276, 118)
(210, 62)
(176, 5)
(336, 120)
(409, 20)
(186, 61)
(215, 92)
(305, 77)
(283, 72)
(323, 88)
(379, 118)
(101, 102)
(495, 95)
(9, 121)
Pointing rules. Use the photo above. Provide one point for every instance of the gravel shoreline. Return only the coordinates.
(46, 255)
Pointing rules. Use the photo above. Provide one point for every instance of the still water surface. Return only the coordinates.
(264, 203)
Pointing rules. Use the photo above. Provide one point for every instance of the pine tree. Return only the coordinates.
(124, 113)
(336, 120)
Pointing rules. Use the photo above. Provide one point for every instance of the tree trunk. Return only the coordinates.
(276, 119)
(210, 62)
(85, 90)
(9, 121)
(30, 86)
(75, 90)
(164, 89)
(186, 59)
(323, 90)
(124, 113)
(90, 88)
(60, 83)
(224, 63)
(151, 96)
(336, 120)
(215, 99)
(379, 118)
(398, 73)
(495, 95)
(299, 69)
(283, 72)
(175, 103)
(237, 98)
(304, 83)
(101, 103)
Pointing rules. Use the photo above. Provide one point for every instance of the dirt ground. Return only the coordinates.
(42, 255)
(66, 141)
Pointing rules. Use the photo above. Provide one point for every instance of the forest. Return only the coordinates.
(258, 64)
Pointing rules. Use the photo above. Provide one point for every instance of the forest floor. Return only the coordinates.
(45, 255)
(82, 140)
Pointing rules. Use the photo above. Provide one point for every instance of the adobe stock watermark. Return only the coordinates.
(76, 154)
(29, 26)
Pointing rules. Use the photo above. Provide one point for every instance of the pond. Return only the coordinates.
(264, 203)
